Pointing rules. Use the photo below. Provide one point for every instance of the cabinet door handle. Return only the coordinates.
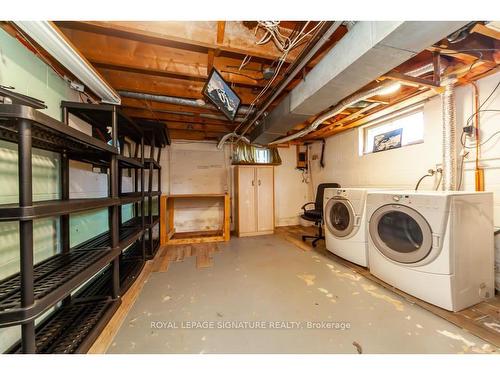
(259, 182)
(253, 183)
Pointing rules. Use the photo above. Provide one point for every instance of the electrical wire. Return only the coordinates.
(281, 60)
(461, 169)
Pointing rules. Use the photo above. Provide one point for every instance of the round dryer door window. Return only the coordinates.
(339, 217)
(401, 233)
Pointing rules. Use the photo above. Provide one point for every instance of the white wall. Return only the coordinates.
(290, 190)
(190, 167)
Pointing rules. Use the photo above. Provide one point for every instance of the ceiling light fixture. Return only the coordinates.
(391, 89)
(50, 38)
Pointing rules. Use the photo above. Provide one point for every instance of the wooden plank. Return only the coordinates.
(221, 27)
(227, 218)
(193, 35)
(105, 339)
(412, 81)
(138, 82)
(486, 31)
(163, 219)
(197, 240)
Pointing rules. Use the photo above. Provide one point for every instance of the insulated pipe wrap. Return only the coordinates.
(449, 137)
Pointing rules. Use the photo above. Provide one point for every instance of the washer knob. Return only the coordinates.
(396, 198)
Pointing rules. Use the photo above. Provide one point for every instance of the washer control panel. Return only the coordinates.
(401, 198)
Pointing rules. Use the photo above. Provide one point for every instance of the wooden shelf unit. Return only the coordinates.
(168, 235)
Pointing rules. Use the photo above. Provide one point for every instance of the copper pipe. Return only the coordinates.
(479, 172)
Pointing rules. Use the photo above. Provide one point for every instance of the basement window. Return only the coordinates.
(400, 131)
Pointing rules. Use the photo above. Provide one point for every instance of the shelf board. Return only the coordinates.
(128, 162)
(149, 161)
(72, 328)
(131, 265)
(54, 279)
(10, 212)
(128, 232)
(133, 197)
(99, 116)
(155, 220)
(50, 134)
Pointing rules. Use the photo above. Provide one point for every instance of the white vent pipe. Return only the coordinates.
(353, 99)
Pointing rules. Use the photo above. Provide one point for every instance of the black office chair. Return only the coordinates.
(316, 215)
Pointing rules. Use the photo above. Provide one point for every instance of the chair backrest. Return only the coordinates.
(320, 193)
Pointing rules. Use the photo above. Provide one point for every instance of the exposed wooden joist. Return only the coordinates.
(131, 81)
(128, 55)
(194, 135)
(173, 117)
(412, 81)
(221, 28)
(197, 35)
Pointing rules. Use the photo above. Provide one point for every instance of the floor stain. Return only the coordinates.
(456, 336)
(166, 298)
(308, 279)
(323, 290)
(370, 289)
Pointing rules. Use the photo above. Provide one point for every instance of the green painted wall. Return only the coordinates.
(30, 76)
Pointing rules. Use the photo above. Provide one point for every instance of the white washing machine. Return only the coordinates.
(436, 246)
(345, 223)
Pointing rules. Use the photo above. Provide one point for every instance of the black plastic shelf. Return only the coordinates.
(54, 278)
(152, 248)
(133, 197)
(50, 134)
(128, 232)
(10, 212)
(152, 193)
(72, 328)
(148, 161)
(100, 116)
(131, 265)
(128, 162)
(155, 220)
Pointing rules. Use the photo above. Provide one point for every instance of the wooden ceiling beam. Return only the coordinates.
(196, 35)
(144, 83)
(193, 135)
(174, 117)
(128, 55)
(221, 28)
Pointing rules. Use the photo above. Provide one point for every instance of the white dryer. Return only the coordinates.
(437, 246)
(345, 223)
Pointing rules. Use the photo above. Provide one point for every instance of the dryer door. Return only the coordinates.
(339, 217)
(401, 233)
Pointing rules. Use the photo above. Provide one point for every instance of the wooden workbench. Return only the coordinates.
(168, 236)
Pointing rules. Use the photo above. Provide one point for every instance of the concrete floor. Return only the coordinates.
(266, 279)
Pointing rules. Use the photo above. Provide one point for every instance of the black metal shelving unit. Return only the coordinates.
(156, 137)
(25, 296)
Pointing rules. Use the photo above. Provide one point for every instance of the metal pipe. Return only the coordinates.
(353, 99)
(449, 135)
(349, 101)
(479, 172)
(26, 233)
(198, 103)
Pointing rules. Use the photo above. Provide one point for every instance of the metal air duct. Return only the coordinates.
(198, 103)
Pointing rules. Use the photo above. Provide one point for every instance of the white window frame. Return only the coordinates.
(363, 133)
